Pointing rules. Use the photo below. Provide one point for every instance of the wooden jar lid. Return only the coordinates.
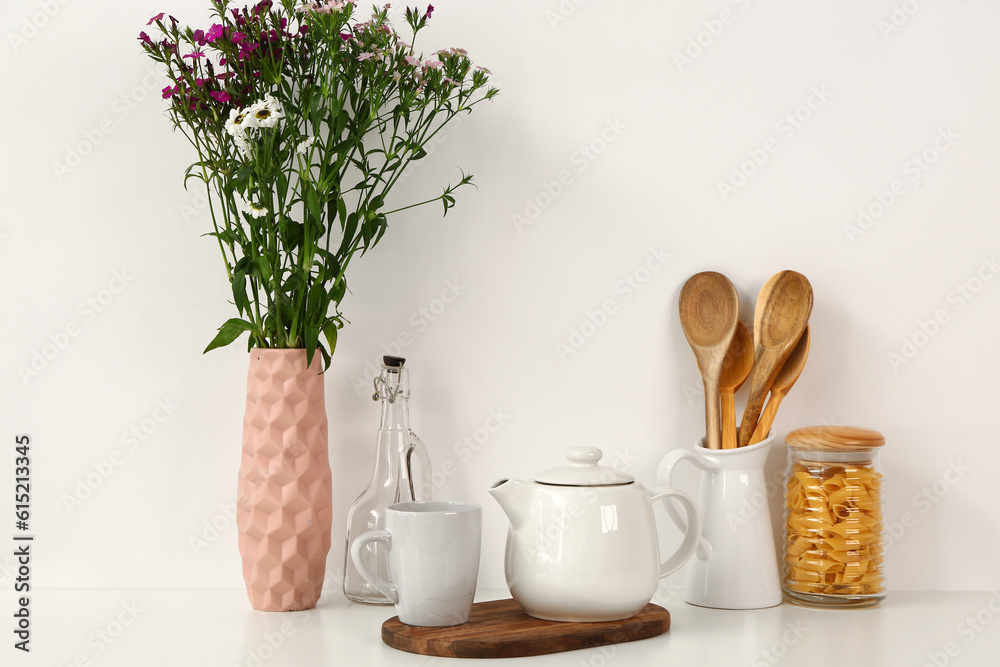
(835, 438)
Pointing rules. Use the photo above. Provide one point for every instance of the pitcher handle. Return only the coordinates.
(386, 588)
(424, 490)
(692, 534)
(665, 477)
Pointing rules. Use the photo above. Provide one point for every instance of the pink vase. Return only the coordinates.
(285, 505)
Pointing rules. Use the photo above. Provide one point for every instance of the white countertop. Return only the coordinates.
(146, 628)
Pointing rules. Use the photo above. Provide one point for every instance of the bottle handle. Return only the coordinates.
(665, 478)
(386, 588)
(425, 487)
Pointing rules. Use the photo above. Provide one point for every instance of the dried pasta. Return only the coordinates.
(833, 528)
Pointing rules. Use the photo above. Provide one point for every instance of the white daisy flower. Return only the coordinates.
(257, 211)
(265, 113)
(305, 145)
(240, 120)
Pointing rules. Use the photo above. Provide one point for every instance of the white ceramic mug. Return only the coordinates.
(433, 560)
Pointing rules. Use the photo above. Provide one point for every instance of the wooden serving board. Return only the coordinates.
(500, 629)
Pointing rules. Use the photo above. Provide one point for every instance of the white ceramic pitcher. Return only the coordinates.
(734, 566)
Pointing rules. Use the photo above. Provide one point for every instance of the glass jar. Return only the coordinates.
(834, 545)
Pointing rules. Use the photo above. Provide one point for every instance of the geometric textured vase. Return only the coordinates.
(284, 506)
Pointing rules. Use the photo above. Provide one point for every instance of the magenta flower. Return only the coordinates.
(220, 96)
(239, 37)
(168, 92)
(144, 38)
(430, 10)
(194, 55)
(155, 19)
(214, 33)
(199, 37)
(227, 75)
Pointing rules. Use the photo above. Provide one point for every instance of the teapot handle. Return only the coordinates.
(692, 533)
(665, 477)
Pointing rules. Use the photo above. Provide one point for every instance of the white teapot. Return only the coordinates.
(582, 543)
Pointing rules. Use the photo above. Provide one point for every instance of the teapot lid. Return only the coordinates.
(583, 470)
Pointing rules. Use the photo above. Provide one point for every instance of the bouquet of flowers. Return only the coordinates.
(304, 118)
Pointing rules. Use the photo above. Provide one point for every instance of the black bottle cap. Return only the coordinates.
(393, 362)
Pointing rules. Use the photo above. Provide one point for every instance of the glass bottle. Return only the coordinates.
(392, 481)
(834, 545)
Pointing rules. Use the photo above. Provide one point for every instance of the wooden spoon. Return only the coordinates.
(735, 370)
(782, 312)
(783, 381)
(710, 310)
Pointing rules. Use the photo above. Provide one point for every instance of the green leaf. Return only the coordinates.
(229, 332)
(291, 233)
(341, 210)
(343, 118)
(240, 291)
(350, 229)
(380, 225)
(188, 174)
(330, 332)
(316, 294)
(338, 290)
(312, 202)
(264, 267)
(311, 340)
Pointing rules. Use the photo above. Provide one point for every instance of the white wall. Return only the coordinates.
(571, 73)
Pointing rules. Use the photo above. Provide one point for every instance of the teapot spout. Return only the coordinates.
(514, 497)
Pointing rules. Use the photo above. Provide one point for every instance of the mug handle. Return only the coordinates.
(665, 477)
(692, 534)
(386, 588)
